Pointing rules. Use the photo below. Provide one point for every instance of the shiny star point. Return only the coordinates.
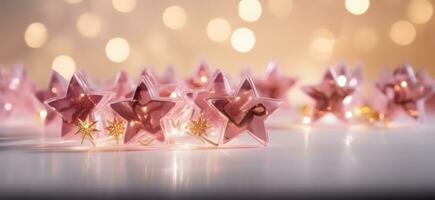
(86, 128)
(199, 127)
(116, 129)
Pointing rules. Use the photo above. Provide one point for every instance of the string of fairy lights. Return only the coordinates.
(242, 39)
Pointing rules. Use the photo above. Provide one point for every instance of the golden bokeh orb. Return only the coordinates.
(64, 65)
(357, 7)
(89, 25)
(243, 40)
(403, 33)
(250, 10)
(174, 17)
(36, 35)
(117, 49)
(218, 29)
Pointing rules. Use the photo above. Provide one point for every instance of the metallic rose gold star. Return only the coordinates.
(334, 93)
(406, 91)
(200, 77)
(143, 111)
(273, 84)
(56, 88)
(245, 111)
(78, 103)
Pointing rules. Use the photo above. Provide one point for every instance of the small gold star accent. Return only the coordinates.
(116, 129)
(199, 127)
(86, 128)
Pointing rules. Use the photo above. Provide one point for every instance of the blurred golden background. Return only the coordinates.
(104, 36)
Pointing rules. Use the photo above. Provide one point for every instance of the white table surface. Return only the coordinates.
(298, 160)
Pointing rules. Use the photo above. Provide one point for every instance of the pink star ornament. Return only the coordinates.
(56, 88)
(200, 77)
(143, 112)
(245, 111)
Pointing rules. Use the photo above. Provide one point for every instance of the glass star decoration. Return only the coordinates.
(404, 90)
(56, 88)
(122, 85)
(273, 84)
(115, 129)
(245, 112)
(79, 103)
(200, 77)
(334, 94)
(86, 128)
(143, 111)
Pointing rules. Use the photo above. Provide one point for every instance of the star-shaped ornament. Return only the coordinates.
(79, 103)
(122, 86)
(115, 129)
(56, 88)
(406, 91)
(245, 111)
(334, 94)
(143, 111)
(200, 77)
(86, 128)
(273, 84)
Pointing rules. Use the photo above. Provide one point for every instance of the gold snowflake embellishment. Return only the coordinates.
(199, 127)
(116, 129)
(86, 128)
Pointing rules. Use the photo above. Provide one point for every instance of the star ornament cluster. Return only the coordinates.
(245, 112)
(335, 92)
(405, 90)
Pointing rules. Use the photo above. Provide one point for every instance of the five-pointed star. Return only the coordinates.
(143, 111)
(405, 90)
(245, 111)
(56, 88)
(200, 77)
(332, 93)
(218, 86)
(122, 85)
(77, 104)
(274, 85)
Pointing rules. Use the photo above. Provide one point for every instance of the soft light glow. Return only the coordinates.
(42, 114)
(35, 35)
(89, 25)
(347, 100)
(124, 6)
(250, 10)
(341, 81)
(420, 11)
(73, 1)
(404, 84)
(365, 39)
(357, 7)
(322, 45)
(117, 49)
(218, 29)
(64, 65)
(306, 120)
(7, 106)
(402, 33)
(348, 114)
(280, 8)
(174, 17)
(243, 40)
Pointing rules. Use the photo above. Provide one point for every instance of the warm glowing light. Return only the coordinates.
(89, 25)
(306, 120)
(322, 45)
(280, 8)
(420, 11)
(348, 114)
(250, 10)
(124, 6)
(357, 7)
(117, 49)
(7, 106)
(42, 114)
(174, 17)
(243, 40)
(341, 81)
(35, 35)
(402, 32)
(218, 29)
(64, 65)
(347, 100)
(173, 95)
(365, 39)
(73, 1)
(404, 84)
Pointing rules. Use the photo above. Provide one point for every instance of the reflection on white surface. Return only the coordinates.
(297, 159)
